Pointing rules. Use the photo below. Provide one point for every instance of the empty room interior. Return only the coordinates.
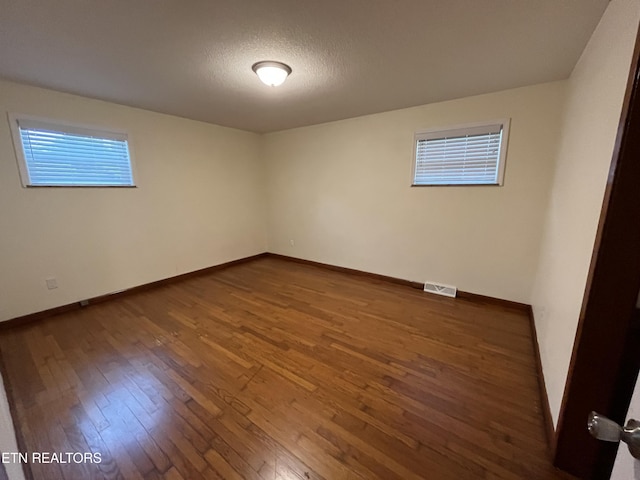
(303, 240)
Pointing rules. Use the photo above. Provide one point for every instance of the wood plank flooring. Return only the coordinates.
(277, 370)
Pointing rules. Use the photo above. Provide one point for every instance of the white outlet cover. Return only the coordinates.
(51, 283)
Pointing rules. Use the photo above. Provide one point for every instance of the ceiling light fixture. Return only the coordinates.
(272, 73)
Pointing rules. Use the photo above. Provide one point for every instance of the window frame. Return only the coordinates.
(441, 132)
(71, 127)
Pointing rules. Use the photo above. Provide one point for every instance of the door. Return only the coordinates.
(606, 354)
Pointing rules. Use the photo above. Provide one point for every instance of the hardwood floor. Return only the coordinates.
(277, 370)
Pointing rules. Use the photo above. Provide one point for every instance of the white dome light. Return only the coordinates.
(272, 73)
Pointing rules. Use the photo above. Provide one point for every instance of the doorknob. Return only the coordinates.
(607, 430)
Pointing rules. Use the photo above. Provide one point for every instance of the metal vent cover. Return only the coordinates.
(439, 289)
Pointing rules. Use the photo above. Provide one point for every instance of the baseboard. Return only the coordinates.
(544, 397)
(24, 319)
(483, 299)
(351, 271)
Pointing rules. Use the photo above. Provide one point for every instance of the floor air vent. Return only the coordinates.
(446, 290)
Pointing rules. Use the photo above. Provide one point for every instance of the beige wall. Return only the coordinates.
(341, 192)
(199, 202)
(594, 100)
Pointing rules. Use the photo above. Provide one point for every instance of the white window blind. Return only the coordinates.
(61, 155)
(471, 155)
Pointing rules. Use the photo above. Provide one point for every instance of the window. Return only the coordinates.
(464, 155)
(53, 154)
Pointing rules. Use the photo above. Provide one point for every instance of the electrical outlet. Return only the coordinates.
(292, 243)
(51, 283)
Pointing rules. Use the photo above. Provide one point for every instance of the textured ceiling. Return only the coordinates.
(193, 58)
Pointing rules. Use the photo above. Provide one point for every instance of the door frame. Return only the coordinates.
(606, 352)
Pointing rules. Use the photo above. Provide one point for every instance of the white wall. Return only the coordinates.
(594, 101)
(199, 202)
(341, 192)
